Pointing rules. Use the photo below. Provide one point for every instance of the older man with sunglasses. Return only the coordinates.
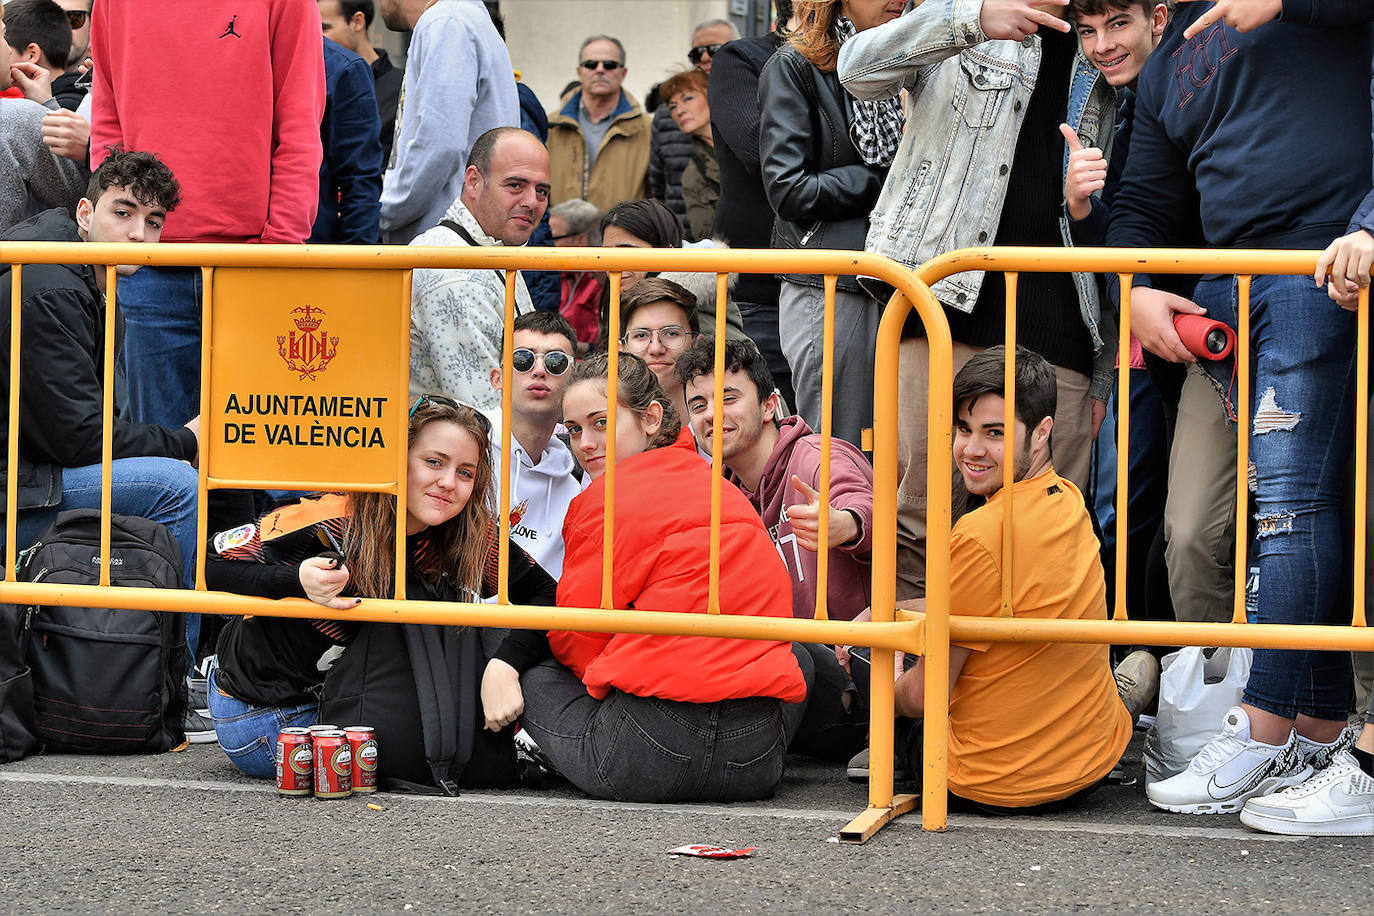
(599, 139)
(544, 478)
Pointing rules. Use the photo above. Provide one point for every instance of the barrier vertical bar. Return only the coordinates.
(207, 276)
(403, 433)
(827, 430)
(107, 425)
(717, 456)
(507, 384)
(612, 405)
(1123, 454)
(1357, 616)
(1242, 445)
(1009, 445)
(12, 434)
(939, 432)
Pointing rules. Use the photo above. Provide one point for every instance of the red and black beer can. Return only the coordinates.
(333, 764)
(362, 744)
(295, 760)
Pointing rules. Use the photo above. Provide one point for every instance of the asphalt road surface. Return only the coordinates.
(186, 832)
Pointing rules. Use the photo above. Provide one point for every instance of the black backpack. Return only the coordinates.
(105, 680)
(16, 691)
(419, 686)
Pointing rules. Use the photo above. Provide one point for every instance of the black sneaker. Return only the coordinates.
(199, 728)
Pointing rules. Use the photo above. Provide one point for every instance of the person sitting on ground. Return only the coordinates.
(574, 225)
(776, 462)
(544, 478)
(1032, 726)
(685, 95)
(649, 224)
(458, 317)
(698, 718)
(658, 322)
(338, 550)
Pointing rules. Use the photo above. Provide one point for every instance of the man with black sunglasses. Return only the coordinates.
(670, 149)
(544, 478)
(599, 139)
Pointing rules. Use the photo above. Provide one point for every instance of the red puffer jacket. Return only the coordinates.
(662, 555)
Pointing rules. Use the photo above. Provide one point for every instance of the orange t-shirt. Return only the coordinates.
(1031, 723)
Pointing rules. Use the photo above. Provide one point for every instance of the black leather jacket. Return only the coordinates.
(820, 188)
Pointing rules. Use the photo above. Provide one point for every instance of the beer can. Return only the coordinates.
(316, 729)
(295, 761)
(333, 764)
(362, 744)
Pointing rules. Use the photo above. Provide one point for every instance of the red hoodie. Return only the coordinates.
(229, 93)
(662, 552)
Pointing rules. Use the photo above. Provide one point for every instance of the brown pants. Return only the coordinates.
(1200, 511)
(1072, 448)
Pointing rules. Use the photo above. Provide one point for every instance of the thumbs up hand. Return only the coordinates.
(806, 524)
(1087, 174)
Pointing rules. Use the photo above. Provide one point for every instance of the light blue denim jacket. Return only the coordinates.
(966, 98)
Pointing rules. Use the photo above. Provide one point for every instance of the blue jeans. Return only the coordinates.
(161, 489)
(248, 734)
(633, 748)
(161, 307)
(1301, 435)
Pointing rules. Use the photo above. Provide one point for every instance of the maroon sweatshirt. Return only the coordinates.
(851, 487)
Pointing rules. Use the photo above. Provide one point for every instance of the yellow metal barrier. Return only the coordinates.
(247, 287)
(942, 628)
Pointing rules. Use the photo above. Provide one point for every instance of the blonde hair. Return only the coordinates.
(459, 546)
(814, 36)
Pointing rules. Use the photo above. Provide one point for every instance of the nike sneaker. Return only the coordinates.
(1319, 756)
(1337, 801)
(1229, 770)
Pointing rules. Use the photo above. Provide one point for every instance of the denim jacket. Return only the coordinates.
(966, 100)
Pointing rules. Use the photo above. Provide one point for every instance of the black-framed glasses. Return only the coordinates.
(696, 54)
(556, 362)
(673, 337)
(78, 17)
(446, 401)
(610, 66)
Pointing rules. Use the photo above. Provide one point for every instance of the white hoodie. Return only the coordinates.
(540, 494)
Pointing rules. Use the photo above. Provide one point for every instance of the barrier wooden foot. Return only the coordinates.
(874, 819)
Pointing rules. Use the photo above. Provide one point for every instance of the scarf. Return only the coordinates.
(877, 127)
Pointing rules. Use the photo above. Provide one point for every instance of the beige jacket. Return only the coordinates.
(622, 162)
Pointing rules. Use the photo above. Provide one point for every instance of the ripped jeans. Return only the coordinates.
(1301, 435)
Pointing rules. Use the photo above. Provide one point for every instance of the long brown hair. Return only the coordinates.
(638, 389)
(458, 547)
(814, 36)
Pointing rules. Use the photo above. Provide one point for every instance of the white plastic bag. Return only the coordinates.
(1194, 694)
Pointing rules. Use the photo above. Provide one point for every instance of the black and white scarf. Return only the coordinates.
(877, 127)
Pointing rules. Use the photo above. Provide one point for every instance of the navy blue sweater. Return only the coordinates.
(1271, 127)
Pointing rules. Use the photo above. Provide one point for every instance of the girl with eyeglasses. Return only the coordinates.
(338, 551)
(657, 718)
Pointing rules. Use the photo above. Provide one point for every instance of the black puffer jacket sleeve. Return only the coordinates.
(527, 583)
(811, 171)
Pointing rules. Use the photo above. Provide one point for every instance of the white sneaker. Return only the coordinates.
(1319, 756)
(1229, 770)
(1337, 801)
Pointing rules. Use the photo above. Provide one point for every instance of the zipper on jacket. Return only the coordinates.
(815, 227)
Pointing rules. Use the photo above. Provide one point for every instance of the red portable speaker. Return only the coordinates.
(1205, 338)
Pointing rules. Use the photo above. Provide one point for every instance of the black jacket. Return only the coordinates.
(61, 373)
(744, 218)
(820, 189)
(669, 152)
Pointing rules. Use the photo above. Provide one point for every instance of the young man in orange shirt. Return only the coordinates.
(1032, 727)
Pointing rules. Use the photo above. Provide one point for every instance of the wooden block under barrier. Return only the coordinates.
(872, 820)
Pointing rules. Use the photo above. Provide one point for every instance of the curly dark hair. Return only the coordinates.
(152, 181)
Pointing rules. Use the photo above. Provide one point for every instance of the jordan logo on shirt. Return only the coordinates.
(229, 30)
